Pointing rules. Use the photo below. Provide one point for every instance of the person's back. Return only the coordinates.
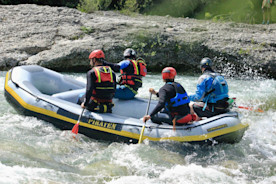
(212, 92)
(132, 70)
(100, 87)
(177, 100)
(214, 86)
(173, 104)
(132, 73)
(104, 84)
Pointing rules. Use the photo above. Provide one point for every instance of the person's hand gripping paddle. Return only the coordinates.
(142, 132)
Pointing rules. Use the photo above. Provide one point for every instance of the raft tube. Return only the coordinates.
(48, 95)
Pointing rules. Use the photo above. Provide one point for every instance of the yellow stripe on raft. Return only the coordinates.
(122, 132)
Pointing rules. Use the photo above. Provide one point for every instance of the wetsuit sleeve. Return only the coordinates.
(89, 86)
(202, 88)
(123, 64)
(157, 94)
(114, 66)
(200, 92)
(161, 103)
(114, 79)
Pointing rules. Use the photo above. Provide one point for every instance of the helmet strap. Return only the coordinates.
(169, 80)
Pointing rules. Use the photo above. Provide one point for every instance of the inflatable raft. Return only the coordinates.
(50, 96)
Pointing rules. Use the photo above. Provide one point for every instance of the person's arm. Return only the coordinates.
(89, 87)
(123, 64)
(114, 79)
(200, 92)
(161, 103)
(114, 66)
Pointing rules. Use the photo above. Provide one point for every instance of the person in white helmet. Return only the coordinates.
(132, 70)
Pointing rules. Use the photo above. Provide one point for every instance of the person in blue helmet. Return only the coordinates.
(132, 70)
(211, 96)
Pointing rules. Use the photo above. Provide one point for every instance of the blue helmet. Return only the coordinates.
(206, 63)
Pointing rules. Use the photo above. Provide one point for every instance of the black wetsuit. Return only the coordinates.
(159, 113)
(90, 87)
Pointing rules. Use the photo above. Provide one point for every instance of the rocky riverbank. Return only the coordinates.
(61, 39)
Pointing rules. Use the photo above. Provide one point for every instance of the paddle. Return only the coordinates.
(250, 108)
(142, 132)
(232, 103)
(75, 129)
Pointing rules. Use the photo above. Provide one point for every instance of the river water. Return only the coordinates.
(34, 151)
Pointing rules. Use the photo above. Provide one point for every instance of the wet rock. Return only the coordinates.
(62, 38)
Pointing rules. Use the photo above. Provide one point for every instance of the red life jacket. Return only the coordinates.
(104, 85)
(134, 79)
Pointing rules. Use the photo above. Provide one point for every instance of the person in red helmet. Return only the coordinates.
(101, 85)
(173, 104)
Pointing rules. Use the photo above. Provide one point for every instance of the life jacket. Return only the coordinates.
(133, 77)
(104, 85)
(181, 98)
(217, 91)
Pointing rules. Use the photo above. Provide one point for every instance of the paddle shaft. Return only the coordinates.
(147, 111)
(243, 107)
(75, 129)
(250, 108)
(80, 116)
(148, 104)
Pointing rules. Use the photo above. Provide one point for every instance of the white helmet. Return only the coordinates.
(129, 53)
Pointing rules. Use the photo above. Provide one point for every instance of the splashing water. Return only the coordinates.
(33, 151)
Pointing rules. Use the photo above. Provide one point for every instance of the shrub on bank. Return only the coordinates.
(249, 11)
(123, 5)
(68, 3)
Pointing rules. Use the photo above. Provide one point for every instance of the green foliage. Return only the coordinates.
(126, 6)
(129, 7)
(249, 11)
(147, 43)
(199, 29)
(208, 15)
(87, 30)
(176, 8)
(76, 37)
(87, 6)
(244, 51)
(68, 3)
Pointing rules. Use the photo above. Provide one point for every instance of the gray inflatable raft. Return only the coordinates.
(51, 96)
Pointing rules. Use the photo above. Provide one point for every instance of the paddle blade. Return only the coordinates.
(141, 135)
(259, 110)
(174, 122)
(251, 109)
(75, 129)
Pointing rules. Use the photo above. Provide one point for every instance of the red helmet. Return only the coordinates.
(168, 73)
(96, 54)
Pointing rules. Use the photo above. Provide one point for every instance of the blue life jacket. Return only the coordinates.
(217, 91)
(181, 97)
